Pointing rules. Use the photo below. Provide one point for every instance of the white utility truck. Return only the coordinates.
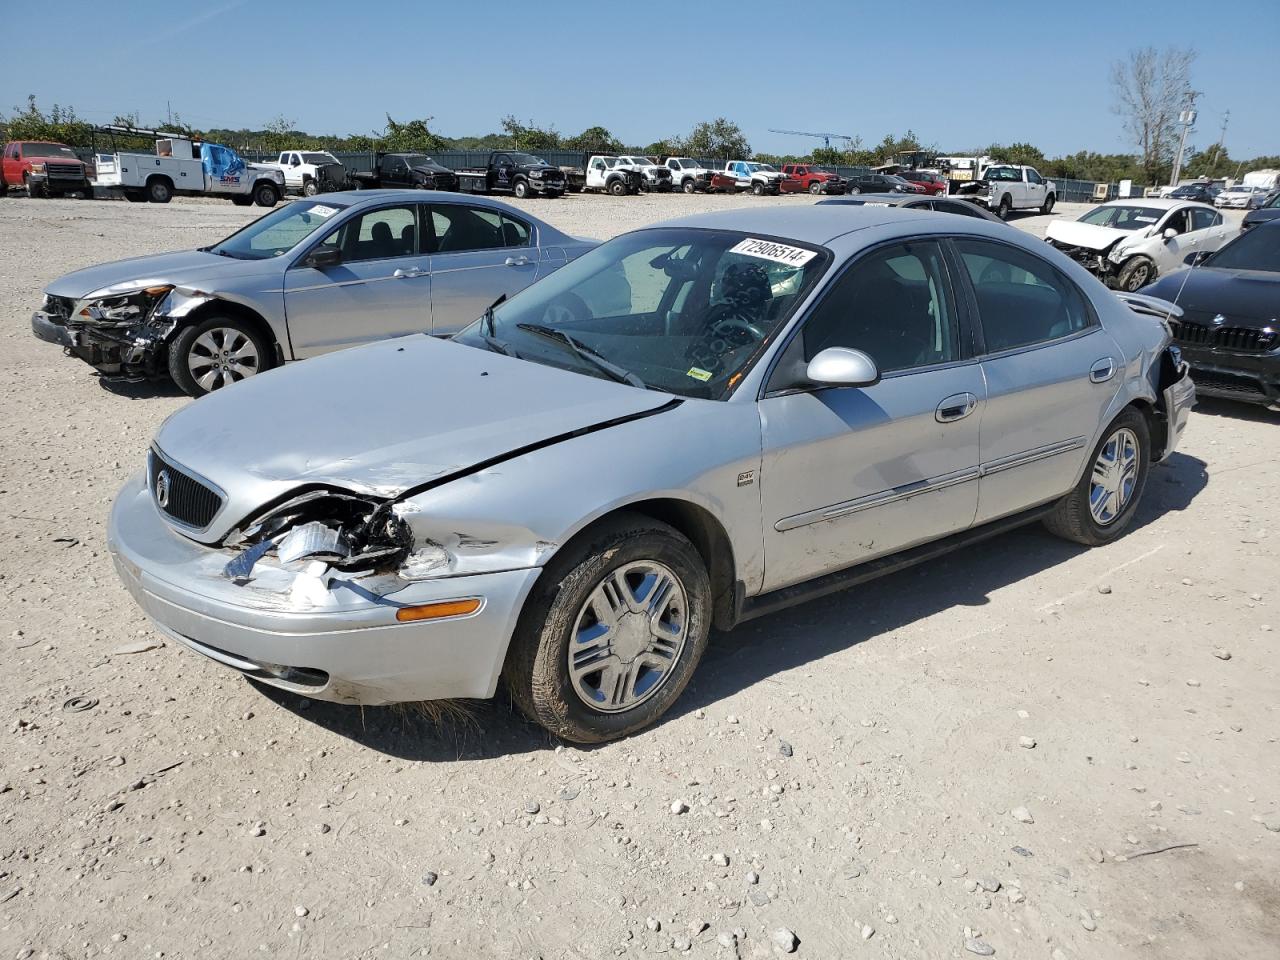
(180, 166)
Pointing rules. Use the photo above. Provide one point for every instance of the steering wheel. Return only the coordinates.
(733, 329)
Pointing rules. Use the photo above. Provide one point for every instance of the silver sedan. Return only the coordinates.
(688, 426)
(310, 277)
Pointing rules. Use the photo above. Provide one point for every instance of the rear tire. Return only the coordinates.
(194, 363)
(1103, 503)
(1005, 208)
(159, 190)
(652, 584)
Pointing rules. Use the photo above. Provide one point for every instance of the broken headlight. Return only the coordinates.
(121, 309)
(348, 532)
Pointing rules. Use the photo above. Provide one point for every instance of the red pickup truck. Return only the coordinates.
(44, 169)
(803, 178)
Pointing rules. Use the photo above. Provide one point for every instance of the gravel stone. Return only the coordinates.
(1022, 815)
(980, 947)
(679, 806)
(784, 940)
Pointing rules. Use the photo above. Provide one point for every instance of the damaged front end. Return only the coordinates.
(346, 532)
(1096, 261)
(126, 336)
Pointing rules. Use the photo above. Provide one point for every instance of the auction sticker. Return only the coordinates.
(699, 374)
(771, 250)
(320, 210)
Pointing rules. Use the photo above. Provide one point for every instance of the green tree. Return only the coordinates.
(526, 136)
(59, 124)
(410, 137)
(594, 140)
(719, 139)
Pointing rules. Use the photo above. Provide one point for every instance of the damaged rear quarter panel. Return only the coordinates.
(520, 512)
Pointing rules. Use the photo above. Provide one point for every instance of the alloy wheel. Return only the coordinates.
(222, 355)
(628, 636)
(1115, 474)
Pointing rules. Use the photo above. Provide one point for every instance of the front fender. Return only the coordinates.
(520, 512)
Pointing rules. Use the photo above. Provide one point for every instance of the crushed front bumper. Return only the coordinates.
(1248, 377)
(333, 638)
(137, 351)
(50, 329)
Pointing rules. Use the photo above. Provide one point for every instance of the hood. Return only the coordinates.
(180, 269)
(1073, 233)
(432, 167)
(1244, 297)
(380, 419)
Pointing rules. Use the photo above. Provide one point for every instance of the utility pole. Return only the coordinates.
(1187, 118)
(1217, 150)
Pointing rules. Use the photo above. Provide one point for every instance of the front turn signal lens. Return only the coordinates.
(439, 610)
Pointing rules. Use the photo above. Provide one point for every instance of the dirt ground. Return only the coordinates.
(1029, 748)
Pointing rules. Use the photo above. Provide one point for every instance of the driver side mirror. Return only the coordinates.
(324, 257)
(1169, 234)
(842, 367)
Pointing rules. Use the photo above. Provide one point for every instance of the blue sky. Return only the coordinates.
(959, 74)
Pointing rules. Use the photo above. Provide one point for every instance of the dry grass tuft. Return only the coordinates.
(442, 713)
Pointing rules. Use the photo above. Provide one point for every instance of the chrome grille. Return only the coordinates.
(64, 171)
(1195, 333)
(181, 496)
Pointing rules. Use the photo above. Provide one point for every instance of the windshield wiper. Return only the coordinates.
(585, 353)
(486, 331)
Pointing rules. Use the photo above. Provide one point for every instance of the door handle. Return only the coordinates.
(955, 407)
(404, 274)
(517, 261)
(1102, 370)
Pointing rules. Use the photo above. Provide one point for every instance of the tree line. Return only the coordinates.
(1149, 87)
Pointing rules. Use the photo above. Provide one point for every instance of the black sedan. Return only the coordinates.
(881, 183)
(1229, 330)
(1269, 210)
(909, 201)
(1203, 192)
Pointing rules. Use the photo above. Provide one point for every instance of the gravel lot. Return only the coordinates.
(1052, 752)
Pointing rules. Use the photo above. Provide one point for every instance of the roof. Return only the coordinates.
(810, 223)
(1155, 203)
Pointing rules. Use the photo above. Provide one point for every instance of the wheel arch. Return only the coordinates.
(160, 176)
(239, 311)
(701, 527)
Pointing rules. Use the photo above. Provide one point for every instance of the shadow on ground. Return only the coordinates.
(761, 648)
(140, 389)
(1253, 412)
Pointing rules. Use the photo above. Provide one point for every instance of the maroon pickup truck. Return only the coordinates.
(801, 178)
(43, 169)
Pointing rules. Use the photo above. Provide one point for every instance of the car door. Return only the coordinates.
(1035, 187)
(381, 288)
(478, 255)
(1050, 370)
(1209, 230)
(12, 169)
(850, 474)
(1169, 252)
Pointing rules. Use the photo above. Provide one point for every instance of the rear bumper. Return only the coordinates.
(328, 638)
(1179, 397)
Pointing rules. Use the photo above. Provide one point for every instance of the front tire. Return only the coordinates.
(1103, 503)
(618, 187)
(1136, 274)
(855, 190)
(216, 352)
(612, 631)
(815, 188)
(1047, 207)
(688, 186)
(265, 194)
(758, 189)
(310, 188)
(520, 190)
(34, 190)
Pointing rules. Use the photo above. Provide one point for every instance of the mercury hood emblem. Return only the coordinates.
(162, 488)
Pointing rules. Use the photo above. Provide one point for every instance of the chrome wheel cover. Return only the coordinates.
(1115, 474)
(220, 356)
(628, 636)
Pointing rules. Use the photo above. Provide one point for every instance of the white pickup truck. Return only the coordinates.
(610, 175)
(177, 167)
(688, 174)
(759, 178)
(309, 172)
(1006, 187)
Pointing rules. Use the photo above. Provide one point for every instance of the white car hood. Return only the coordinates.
(1073, 233)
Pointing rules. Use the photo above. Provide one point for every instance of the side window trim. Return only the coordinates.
(1092, 323)
(363, 212)
(964, 314)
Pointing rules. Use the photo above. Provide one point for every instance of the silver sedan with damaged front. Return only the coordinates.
(308, 278)
(688, 426)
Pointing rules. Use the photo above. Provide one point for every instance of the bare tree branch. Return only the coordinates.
(1151, 87)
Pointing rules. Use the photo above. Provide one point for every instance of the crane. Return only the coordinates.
(826, 137)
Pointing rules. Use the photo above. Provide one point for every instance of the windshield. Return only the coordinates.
(526, 160)
(1273, 202)
(279, 231)
(418, 160)
(1123, 218)
(681, 310)
(47, 150)
(767, 167)
(319, 158)
(1255, 250)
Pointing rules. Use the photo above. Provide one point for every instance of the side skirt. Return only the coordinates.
(748, 608)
